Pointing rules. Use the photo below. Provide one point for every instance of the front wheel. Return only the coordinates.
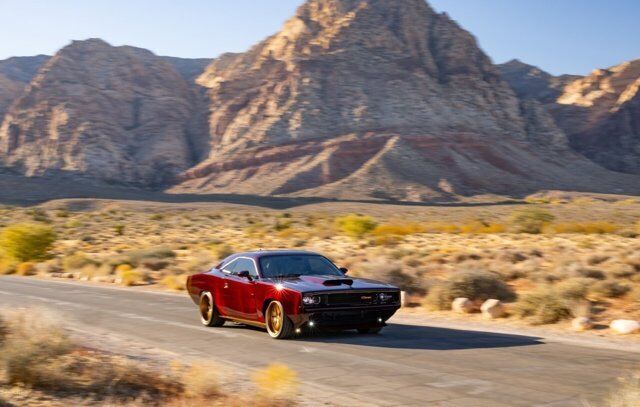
(209, 315)
(278, 324)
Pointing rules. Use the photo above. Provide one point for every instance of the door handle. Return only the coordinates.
(226, 285)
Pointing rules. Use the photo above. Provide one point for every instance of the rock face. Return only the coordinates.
(601, 116)
(600, 113)
(383, 99)
(530, 82)
(15, 74)
(118, 114)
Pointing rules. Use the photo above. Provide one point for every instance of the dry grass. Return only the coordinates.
(38, 354)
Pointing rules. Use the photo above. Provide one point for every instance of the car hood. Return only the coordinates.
(330, 283)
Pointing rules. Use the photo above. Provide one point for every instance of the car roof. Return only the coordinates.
(256, 254)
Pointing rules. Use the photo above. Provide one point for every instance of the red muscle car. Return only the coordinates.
(288, 292)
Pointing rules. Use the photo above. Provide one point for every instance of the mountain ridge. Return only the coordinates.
(352, 99)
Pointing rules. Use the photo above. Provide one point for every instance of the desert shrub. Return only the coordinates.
(609, 289)
(476, 285)
(129, 276)
(596, 259)
(583, 227)
(543, 306)
(574, 289)
(174, 282)
(591, 273)
(276, 381)
(137, 258)
(407, 282)
(222, 251)
(398, 229)
(26, 241)
(7, 265)
(30, 343)
(438, 298)
(530, 220)
(119, 230)
(26, 268)
(481, 226)
(628, 394)
(76, 261)
(355, 225)
(201, 382)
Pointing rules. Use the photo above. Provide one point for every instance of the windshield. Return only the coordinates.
(297, 265)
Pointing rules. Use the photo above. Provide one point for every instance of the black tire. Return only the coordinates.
(279, 326)
(209, 315)
(369, 331)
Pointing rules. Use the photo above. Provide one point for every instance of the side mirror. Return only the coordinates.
(245, 274)
(344, 270)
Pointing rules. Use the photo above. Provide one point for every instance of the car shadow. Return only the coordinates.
(401, 336)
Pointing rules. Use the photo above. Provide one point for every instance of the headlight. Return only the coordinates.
(384, 297)
(311, 300)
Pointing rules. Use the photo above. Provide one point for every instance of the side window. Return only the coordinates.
(246, 265)
(230, 267)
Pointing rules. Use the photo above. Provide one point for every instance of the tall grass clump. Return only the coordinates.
(543, 306)
(276, 382)
(26, 241)
(530, 220)
(478, 286)
(355, 225)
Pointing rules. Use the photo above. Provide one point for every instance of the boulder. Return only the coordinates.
(462, 306)
(492, 309)
(625, 326)
(581, 324)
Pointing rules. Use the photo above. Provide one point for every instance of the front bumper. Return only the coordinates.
(345, 317)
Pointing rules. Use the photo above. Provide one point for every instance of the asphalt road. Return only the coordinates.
(405, 365)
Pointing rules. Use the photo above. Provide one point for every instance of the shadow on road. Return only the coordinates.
(401, 336)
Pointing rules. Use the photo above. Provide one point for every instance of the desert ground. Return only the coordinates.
(549, 259)
(576, 255)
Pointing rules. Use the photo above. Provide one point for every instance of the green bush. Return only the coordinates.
(355, 225)
(476, 285)
(543, 306)
(530, 220)
(26, 241)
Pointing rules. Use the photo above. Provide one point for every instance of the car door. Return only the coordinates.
(227, 305)
(241, 290)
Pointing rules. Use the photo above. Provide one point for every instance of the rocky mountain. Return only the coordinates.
(530, 82)
(15, 74)
(189, 68)
(600, 113)
(119, 114)
(377, 98)
(353, 99)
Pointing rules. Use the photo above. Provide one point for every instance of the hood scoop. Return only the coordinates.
(338, 281)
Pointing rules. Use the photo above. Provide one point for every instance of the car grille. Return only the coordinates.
(359, 299)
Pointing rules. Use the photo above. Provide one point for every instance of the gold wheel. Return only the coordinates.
(206, 309)
(209, 315)
(278, 324)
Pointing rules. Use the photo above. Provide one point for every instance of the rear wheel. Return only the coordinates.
(278, 324)
(371, 331)
(209, 315)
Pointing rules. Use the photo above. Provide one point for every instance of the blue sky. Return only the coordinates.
(560, 36)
